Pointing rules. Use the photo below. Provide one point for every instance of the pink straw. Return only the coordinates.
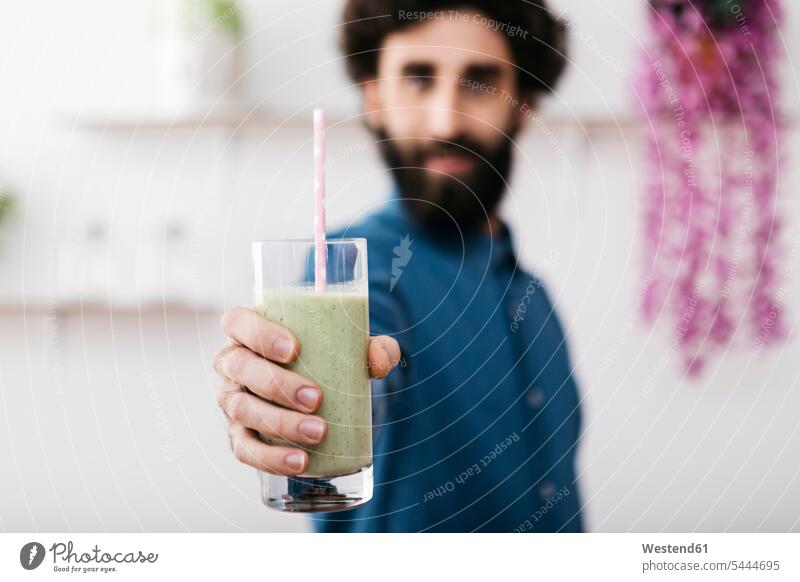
(320, 250)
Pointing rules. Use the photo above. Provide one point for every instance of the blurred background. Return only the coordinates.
(144, 145)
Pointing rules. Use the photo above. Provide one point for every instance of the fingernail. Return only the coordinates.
(308, 397)
(312, 428)
(295, 461)
(283, 347)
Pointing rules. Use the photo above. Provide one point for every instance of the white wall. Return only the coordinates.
(110, 413)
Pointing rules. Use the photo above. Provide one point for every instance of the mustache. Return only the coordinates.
(426, 148)
(462, 146)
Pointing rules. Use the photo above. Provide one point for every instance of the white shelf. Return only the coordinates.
(155, 119)
(100, 308)
(241, 117)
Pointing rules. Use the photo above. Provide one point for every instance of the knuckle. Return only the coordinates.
(225, 322)
(277, 387)
(221, 397)
(240, 452)
(237, 406)
(244, 453)
(227, 319)
(234, 362)
(222, 360)
(284, 425)
(225, 392)
(250, 456)
(219, 353)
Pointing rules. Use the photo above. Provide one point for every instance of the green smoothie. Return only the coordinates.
(333, 330)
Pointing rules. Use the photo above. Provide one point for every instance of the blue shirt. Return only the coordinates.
(477, 429)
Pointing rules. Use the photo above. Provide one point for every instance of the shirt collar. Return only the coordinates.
(497, 247)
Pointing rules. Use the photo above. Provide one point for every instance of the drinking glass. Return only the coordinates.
(332, 327)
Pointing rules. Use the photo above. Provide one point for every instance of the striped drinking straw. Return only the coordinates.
(320, 248)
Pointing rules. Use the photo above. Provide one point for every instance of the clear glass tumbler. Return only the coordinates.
(332, 327)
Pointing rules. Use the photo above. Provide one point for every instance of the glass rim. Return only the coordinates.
(308, 240)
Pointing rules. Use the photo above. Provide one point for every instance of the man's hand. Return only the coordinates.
(259, 395)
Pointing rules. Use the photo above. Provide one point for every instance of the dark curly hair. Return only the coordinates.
(537, 38)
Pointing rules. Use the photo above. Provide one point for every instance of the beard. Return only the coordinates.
(446, 206)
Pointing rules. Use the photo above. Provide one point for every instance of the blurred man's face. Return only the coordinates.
(443, 102)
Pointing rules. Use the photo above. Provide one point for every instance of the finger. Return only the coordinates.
(264, 337)
(384, 355)
(268, 380)
(275, 459)
(270, 420)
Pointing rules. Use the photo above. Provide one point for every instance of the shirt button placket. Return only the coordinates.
(535, 397)
(546, 489)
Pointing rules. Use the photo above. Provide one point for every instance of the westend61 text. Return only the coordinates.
(670, 549)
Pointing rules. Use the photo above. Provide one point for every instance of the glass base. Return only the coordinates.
(316, 494)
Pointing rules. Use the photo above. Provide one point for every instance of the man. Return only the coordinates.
(476, 429)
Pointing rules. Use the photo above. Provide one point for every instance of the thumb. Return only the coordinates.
(384, 355)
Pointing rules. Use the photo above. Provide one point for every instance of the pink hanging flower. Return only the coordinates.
(709, 90)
